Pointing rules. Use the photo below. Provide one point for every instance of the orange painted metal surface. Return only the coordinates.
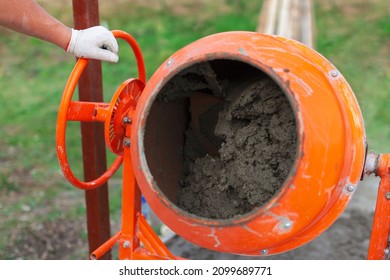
(88, 111)
(329, 163)
(116, 116)
(379, 248)
(124, 99)
(72, 110)
(329, 160)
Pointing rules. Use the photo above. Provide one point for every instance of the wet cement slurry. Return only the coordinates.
(254, 130)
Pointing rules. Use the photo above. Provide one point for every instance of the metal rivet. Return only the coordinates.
(126, 120)
(350, 188)
(170, 61)
(126, 142)
(126, 244)
(387, 195)
(288, 225)
(242, 51)
(334, 73)
(264, 252)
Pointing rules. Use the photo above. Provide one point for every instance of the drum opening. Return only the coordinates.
(220, 139)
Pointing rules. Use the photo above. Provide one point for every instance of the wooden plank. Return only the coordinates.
(288, 18)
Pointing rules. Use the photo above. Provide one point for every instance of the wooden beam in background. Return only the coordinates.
(288, 18)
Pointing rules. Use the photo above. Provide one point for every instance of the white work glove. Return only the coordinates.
(95, 43)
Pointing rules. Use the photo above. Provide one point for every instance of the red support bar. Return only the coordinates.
(380, 232)
(153, 239)
(87, 111)
(105, 247)
(86, 14)
(131, 204)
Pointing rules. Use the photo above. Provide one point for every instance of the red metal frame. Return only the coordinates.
(92, 112)
(80, 111)
(380, 233)
(135, 229)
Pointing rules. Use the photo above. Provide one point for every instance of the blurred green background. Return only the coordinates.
(41, 215)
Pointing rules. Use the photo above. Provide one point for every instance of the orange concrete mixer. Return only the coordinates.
(240, 142)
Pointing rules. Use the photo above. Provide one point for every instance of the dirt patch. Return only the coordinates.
(51, 240)
(254, 131)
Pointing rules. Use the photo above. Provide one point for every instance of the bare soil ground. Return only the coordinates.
(51, 240)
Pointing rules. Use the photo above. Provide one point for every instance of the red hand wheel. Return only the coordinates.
(113, 114)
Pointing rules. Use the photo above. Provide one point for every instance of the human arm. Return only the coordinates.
(29, 18)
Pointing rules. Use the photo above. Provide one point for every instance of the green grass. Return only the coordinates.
(359, 45)
(160, 33)
(33, 74)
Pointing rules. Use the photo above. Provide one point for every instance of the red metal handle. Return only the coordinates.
(68, 112)
(136, 50)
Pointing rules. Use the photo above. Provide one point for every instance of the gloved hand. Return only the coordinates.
(95, 43)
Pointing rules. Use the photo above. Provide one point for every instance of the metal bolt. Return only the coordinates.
(288, 225)
(371, 164)
(264, 252)
(126, 120)
(334, 73)
(126, 244)
(387, 195)
(350, 188)
(387, 253)
(126, 142)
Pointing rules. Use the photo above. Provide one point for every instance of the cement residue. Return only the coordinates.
(347, 239)
(258, 133)
(199, 77)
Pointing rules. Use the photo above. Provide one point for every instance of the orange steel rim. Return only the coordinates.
(89, 111)
(329, 159)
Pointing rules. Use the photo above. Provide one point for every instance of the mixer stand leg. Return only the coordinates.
(379, 248)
